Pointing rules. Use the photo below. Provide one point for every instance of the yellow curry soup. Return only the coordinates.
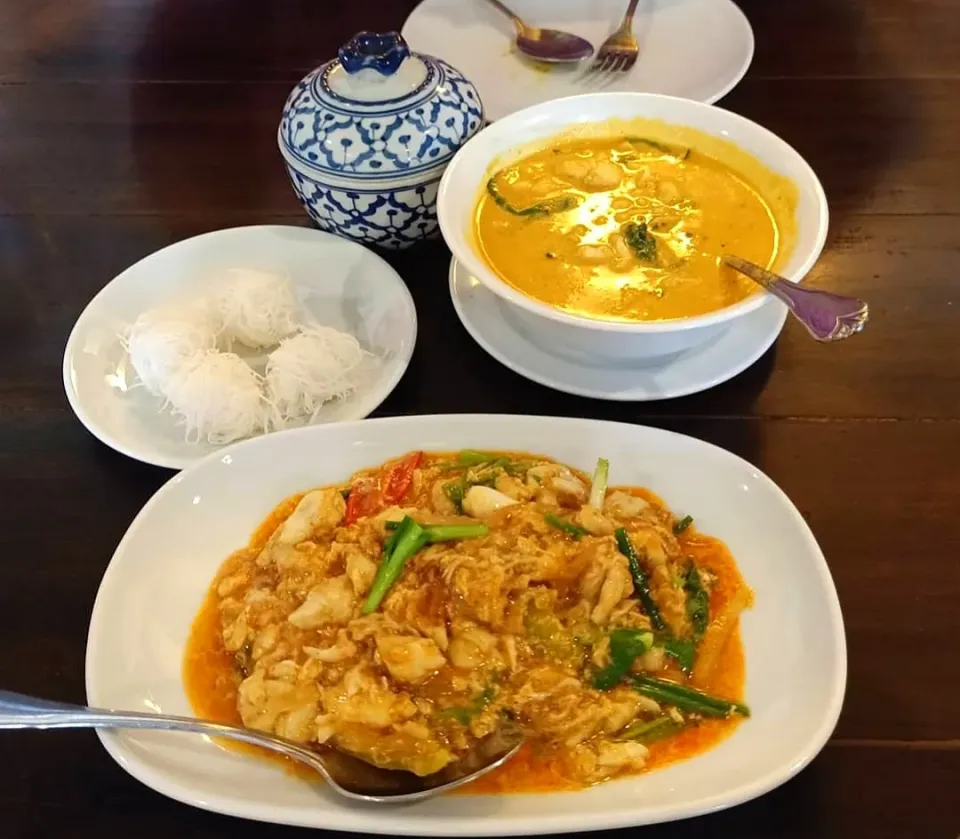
(519, 599)
(629, 221)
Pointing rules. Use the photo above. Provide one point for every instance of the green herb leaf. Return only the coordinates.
(518, 468)
(625, 646)
(391, 541)
(639, 240)
(463, 714)
(698, 601)
(567, 527)
(455, 491)
(684, 652)
(486, 477)
(599, 486)
(640, 581)
(682, 525)
(544, 208)
(469, 457)
(688, 699)
(444, 532)
(641, 143)
(405, 541)
(452, 532)
(647, 731)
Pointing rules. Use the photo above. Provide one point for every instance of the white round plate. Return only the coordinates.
(695, 49)
(793, 636)
(488, 320)
(343, 284)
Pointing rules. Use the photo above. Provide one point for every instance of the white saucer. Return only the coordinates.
(343, 284)
(488, 320)
(695, 49)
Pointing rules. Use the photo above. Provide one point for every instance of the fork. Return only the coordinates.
(618, 53)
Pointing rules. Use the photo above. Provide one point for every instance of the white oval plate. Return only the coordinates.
(793, 637)
(344, 284)
(695, 49)
(489, 321)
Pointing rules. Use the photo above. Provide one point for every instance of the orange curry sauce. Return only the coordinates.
(211, 679)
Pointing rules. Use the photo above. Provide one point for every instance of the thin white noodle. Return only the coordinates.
(255, 308)
(308, 370)
(217, 398)
(161, 340)
(215, 395)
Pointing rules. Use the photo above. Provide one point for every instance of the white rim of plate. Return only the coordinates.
(367, 406)
(459, 273)
(716, 96)
(159, 782)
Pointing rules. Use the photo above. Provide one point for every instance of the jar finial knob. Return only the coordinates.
(370, 50)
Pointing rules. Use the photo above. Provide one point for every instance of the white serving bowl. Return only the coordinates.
(590, 339)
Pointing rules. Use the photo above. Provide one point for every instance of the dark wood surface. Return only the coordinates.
(128, 124)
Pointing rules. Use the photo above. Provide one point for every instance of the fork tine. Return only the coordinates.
(611, 62)
(613, 66)
(597, 60)
(606, 78)
(595, 69)
(628, 63)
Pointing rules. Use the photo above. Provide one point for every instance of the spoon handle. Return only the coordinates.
(20, 711)
(827, 316)
(516, 20)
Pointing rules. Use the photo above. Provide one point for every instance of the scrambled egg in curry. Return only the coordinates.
(401, 615)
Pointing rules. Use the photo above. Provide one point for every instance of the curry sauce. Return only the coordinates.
(633, 225)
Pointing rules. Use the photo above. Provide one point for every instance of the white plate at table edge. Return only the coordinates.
(175, 455)
(487, 319)
(793, 636)
(511, 72)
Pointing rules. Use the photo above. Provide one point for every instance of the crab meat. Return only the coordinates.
(480, 502)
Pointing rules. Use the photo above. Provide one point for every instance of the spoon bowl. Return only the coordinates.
(551, 46)
(347, 775)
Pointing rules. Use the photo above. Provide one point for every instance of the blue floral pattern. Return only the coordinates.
(390, 218)
(413, 135)
(368, 168)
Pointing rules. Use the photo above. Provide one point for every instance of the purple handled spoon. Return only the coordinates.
(827, 316)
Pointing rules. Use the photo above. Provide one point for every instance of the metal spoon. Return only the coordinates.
(347, 775)
(549, 45)
(827, 316)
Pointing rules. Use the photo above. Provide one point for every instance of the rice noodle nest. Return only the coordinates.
(184, 354)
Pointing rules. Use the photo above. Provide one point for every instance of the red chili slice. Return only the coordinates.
(364, 500)
(400, 478)
(370, 495)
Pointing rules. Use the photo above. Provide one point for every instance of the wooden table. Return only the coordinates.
(129, 124)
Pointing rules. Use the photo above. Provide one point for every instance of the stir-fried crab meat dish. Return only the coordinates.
(402, 615)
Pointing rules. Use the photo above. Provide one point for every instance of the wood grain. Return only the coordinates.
(126, 125)
(164, 149)
(52, 265)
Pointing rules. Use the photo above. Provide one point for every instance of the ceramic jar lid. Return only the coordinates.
(378, 112)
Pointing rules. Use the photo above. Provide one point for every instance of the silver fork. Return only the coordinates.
(618, 53)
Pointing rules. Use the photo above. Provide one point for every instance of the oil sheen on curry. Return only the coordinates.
(630, 221)
(402, 615)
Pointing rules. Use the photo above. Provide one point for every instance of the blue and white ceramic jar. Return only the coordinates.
(367, 136)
